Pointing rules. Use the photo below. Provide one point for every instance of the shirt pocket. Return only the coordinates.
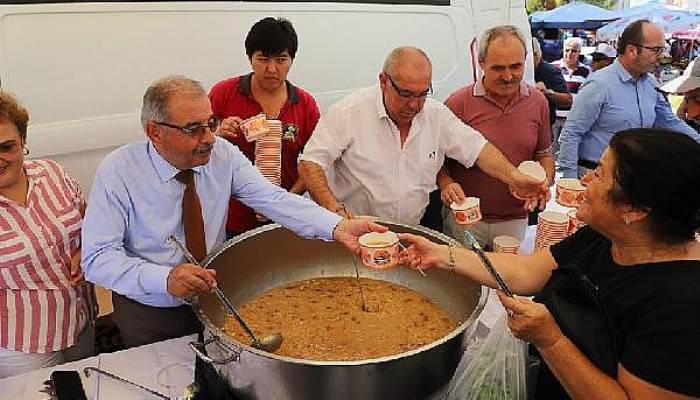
(429, 166)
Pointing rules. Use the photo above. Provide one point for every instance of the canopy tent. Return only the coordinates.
(688, 34)
(574, 15)
(668, 18)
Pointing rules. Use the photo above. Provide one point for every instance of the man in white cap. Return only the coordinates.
(603, 55)
(688, 85)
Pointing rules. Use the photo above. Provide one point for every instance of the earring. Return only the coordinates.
(627, 220)
(25, 151)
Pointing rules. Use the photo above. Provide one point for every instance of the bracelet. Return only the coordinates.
(452, 263)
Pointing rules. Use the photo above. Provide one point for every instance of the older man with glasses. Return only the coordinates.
(383, 146)
(179, 182)
(621, 96)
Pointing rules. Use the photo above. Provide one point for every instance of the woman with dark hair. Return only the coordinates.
(47, 310)
(616, 304)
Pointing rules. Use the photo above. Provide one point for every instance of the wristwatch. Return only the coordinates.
(549, 93)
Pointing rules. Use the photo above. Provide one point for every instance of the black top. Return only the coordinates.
(552, 78)
(654, 308)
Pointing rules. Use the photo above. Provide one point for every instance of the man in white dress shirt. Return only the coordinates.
(377, 152)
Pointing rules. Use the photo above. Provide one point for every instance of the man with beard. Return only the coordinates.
(621, 96)
(514, 117)
(385, 144)
(271, 47)
(146, 191)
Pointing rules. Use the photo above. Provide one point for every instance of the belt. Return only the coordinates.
(588, 164)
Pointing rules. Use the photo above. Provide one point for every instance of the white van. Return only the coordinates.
(81, 68)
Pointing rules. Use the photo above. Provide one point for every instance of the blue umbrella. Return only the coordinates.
(575, 15)
(668, 18)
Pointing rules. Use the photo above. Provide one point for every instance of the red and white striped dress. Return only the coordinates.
(40, 311)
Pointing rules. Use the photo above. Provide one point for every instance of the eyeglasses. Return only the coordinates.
(571, 50)
(280, 60)
(194, 129)
(655, 49)
(407, 94)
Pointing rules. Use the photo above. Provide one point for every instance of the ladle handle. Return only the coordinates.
(87, 371)
(232, 311)
(487, 263)
(229, 307)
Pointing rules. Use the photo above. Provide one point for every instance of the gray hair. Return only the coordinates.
(496, 32)
(155, 100)
(573, 42)
(536, 49)
(398, 56)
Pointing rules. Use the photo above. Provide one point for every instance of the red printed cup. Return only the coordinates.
(570, 192)
(506, 244)
(255, 127)
(380, 250)
(467, 212)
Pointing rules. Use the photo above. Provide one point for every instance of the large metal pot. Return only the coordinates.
(271, 256)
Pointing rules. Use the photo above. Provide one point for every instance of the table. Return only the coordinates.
(146, 365)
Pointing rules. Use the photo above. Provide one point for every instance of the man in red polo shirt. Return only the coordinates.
(512, 116)
(271, 46)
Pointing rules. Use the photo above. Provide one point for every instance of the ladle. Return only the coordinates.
(269, 343)
(359, 285)
(187, 393)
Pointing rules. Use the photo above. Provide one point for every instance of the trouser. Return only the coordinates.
(17, 362)
(140, 324)
(483, 232)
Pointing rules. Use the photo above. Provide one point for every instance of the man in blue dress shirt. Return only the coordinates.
(620, 96)
(136, 202)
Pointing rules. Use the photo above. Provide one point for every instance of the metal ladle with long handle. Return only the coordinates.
(269, 343)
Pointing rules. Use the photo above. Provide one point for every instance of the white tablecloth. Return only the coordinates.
(140, 365)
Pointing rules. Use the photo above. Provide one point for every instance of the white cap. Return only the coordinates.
(605, 49)
(685, 83)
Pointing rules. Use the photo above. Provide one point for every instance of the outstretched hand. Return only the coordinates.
(535, 193)
(420, 253)
(349, 230)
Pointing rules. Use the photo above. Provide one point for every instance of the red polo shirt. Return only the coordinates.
(299, 114)
(520, 131)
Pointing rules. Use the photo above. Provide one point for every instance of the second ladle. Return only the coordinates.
(269, 343)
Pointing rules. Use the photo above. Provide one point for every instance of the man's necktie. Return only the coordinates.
(192, 216)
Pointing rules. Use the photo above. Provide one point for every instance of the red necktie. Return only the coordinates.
(192, 216)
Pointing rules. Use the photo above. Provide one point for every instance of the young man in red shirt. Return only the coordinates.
(271, 46)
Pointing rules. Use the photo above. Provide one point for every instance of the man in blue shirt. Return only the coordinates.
(620, 96)
(137, 201)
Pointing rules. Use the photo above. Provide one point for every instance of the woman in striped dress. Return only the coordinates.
(47, 309)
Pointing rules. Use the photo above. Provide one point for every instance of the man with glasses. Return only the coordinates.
(179, 182)
(575, 73)
(621, 96)
(271, 46)
(377, 152)
(514, 117)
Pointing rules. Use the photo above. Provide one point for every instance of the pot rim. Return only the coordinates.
(227, 341)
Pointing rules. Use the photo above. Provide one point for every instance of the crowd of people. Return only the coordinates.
(380, 151)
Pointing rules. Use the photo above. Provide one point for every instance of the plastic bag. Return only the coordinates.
(492, 369)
